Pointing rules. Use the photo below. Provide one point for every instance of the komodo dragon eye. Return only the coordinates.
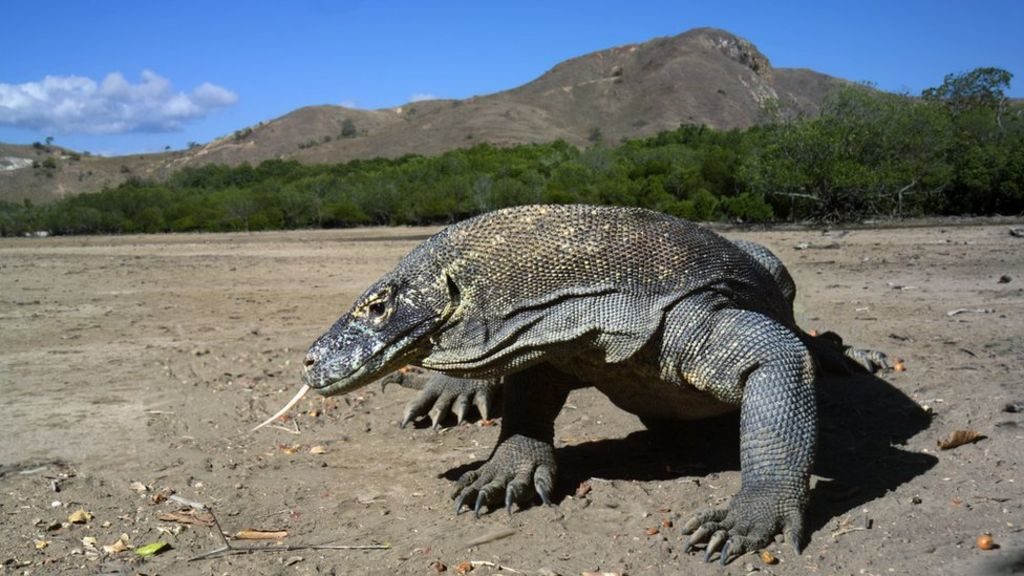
(377, 308)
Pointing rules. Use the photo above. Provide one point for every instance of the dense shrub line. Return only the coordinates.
(868, 154)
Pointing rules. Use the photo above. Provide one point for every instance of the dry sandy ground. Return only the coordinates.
(133, 367)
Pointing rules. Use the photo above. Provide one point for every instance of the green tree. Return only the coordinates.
(348, 129)
(981, 87)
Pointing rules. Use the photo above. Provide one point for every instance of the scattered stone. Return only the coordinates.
(79, 516)
(1014, 406)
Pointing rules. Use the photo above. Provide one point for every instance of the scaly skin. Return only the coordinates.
(441, 396)
(669, 320)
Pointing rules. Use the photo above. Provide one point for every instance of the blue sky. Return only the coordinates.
(133, 76)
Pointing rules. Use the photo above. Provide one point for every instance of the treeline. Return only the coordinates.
(956, 149)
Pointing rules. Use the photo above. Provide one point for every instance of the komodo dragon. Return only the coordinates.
(442, 395)
(668, 319)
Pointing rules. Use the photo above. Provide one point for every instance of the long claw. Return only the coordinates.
(461, 408)
(542, 483)
(696, 538)
(482, 405)
(725, 552)
(460, 501)
(407, 419)
(435, 418)
(479, 502)
(713, 543)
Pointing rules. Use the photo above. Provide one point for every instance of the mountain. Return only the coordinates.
(703, 76)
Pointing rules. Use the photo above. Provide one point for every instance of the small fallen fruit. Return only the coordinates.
(899, 366)
(768, 558)
(985, 542)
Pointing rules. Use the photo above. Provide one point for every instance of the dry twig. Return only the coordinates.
(226, 549)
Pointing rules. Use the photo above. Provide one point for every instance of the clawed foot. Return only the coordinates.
(442, 395)
(519, 466)
(748, 524)
(871, 360)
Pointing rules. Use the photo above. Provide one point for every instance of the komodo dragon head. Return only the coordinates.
(387, 327)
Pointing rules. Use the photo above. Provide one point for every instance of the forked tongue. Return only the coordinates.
(287, 407)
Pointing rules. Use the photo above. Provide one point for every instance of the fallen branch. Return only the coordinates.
(846, 526)
(226, 549)
(495, 565)
(230, 550)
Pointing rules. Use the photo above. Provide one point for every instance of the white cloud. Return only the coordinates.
(114, 105)
(421, 96)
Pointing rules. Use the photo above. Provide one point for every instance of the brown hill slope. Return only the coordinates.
(704, 76)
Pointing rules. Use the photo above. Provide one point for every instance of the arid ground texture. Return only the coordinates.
(133, 367)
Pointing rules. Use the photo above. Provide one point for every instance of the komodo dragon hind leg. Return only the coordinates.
(768, 365)
(523, 461)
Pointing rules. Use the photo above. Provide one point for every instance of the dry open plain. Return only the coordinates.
(133, 367)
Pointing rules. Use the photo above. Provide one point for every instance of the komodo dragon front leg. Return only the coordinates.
(747, 361)
(441, 395)
(523, 461)
(751, 361)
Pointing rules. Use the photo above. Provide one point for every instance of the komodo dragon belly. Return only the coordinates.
(638, 389)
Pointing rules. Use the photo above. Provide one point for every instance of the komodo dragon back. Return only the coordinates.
(493, 293)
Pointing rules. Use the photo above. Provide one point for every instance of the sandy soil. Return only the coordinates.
(133, 367)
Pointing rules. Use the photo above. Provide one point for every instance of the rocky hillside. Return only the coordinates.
(704, 76)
